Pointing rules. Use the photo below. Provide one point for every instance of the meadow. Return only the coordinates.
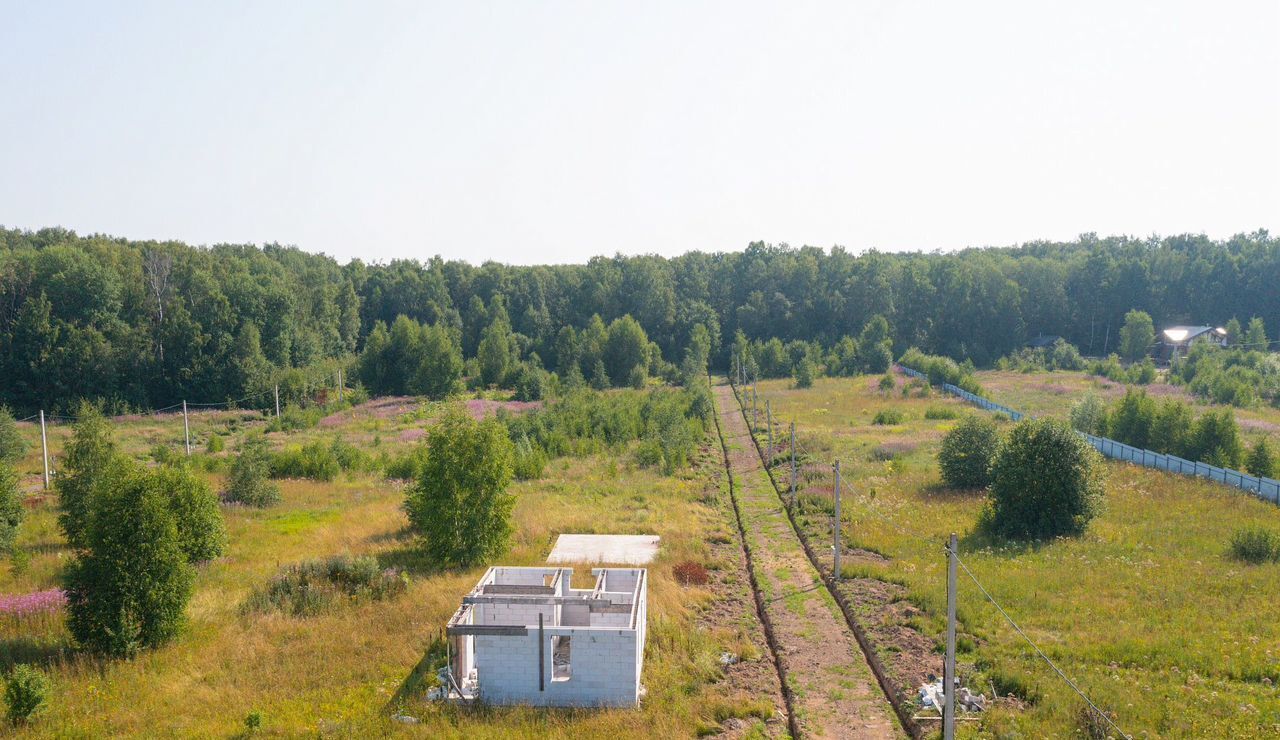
(346, 671)
(1146, 611)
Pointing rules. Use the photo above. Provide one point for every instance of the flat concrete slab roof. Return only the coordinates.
(630, 549)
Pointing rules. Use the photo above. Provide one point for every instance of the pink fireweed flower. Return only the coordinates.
(36, 602)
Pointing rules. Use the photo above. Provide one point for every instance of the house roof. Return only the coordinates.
(1179, 334)
(1044, 340)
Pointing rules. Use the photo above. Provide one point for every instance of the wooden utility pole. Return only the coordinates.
(44, 450)
(277, 400)
(339, 385)
(186, 428)
(768, 416)
(837, 548)
(949, 666)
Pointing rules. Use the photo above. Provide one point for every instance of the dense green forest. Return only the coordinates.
(146, 324)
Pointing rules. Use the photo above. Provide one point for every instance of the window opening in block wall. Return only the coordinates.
(560, 667)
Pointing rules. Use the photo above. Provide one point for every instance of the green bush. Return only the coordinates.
(1089, 415)
(248, 482)
(1261, 461)
(529, 460)
(804, 373)
(11, 512)
(967, 452)
(888, 417)
(941, 413)
(459, 504)
(315, 586)
(314, 460)
(1171, 428)
(129, 587)
(1046, 481)
(1216, 440)
(12, 444)
(1143, 373)
(26, 692)
(941, 370)
(1255, 545)
(83, 466)
(887, 383)
(215, 444)
(1130, 422)
(405, 465)
(202, 534)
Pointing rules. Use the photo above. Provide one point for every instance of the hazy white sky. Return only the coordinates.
(549, 132)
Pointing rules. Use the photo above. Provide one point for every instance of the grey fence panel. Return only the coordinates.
(1265, 488)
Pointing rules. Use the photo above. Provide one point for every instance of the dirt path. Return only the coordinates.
(834, 691)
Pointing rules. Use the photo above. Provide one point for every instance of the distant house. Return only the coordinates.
(1177, 340)
(1044, 341)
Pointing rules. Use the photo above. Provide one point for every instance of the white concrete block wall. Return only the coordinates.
(604, 667)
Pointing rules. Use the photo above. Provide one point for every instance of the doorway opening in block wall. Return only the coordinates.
(561, 669)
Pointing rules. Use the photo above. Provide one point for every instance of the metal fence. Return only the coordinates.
(1267, 489)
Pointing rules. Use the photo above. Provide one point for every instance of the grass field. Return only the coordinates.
(1145, 611)
(345, 672)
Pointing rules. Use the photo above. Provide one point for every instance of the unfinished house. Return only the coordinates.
(526, 636)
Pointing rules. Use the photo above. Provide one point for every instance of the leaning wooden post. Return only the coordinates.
(949, 666)
(186, 428)
(44, 450)
(793, 463)
(837, 548)
(768, 416)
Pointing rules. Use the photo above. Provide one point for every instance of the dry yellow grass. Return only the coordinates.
(336, 674)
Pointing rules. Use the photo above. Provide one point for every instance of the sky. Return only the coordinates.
(549, 132)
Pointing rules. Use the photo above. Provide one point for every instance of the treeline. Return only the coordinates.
(149, 323)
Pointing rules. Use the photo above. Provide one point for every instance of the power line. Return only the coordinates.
(1036, 647)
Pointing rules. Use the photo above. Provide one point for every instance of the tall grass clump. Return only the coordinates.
(888, 417)
(315, 586)
(1255, 545)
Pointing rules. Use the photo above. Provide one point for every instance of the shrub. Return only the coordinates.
(405, 466)
(1089, 415)
(215, 444)
(128, 589)
(967, 451)
(1045, 481)
(1171, 428)
(12, 445)
(1261, 462)
(887, 383)
(314, 586)
(1131, 420)
(248, 482)
(941, 413)
(459, 502)
(689, 573)
(253, 721)
(529, 460)
(1255, 545)
(888, 417)
(26, 691)
(1143, 373)
(804, 373)
(11, 512)
(314, 460)
(202, 534)
(83, 466)
(1216, 440)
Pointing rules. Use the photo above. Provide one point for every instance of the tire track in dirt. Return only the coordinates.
(828, 682)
